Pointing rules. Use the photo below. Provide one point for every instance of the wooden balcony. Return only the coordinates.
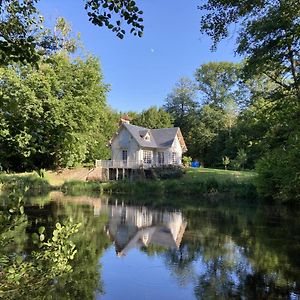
(123, 164)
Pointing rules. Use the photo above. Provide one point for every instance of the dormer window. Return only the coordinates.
(145, 135)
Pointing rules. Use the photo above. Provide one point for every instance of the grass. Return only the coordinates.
(30, 182)
(220, 175)
(239, 184)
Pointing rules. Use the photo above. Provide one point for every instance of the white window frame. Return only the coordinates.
(147, 156)
(174, 158)
(161, 158)
(124, 151)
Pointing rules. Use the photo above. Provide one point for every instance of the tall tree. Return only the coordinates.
(153, 117)
(53, 116)
(181, 102)
(220, 83)
(269, 37)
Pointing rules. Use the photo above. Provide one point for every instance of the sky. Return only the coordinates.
(143, 71)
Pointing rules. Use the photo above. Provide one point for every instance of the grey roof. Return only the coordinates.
(159, 138)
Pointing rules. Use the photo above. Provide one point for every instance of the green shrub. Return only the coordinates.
(187, 160)
(169, 172)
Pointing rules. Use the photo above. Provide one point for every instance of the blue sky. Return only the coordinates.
(142, 71)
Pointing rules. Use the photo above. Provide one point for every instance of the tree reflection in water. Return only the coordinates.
(223, 250)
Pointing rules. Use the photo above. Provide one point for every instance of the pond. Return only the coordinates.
(125, 249)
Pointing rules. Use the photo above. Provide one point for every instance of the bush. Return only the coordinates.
(279, 175)
(186, 160)
(168, 172)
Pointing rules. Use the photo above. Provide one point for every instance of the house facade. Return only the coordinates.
(134, 146)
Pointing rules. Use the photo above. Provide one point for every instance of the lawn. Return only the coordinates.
(219, 175)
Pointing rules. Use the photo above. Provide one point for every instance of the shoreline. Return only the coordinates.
(205, 182)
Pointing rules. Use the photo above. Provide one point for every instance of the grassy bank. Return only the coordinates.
(26, 181)
(239, 184)
(194, 182)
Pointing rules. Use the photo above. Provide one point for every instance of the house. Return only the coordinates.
(139, 147)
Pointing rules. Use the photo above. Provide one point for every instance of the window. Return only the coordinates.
(161, 158)
(147, 137)
(124, 155)
(174, 158)
(147, 156)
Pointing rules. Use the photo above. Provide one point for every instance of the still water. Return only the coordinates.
(189, 249)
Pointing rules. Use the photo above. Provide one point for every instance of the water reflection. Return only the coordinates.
(206, 251)
(132, 227)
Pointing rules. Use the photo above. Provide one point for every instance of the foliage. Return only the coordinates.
(23, 37)
(241, 158)
(220, 84)
(186, 160)
(54, 116)
(153, 118)
(269, 38)
(181, 103)
(225, 161)
(279, 175)
(27, 275)
(111, 13)
(168, 172)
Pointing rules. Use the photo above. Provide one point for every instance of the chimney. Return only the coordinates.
(124, 119)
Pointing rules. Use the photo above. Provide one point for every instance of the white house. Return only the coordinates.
(134, 147)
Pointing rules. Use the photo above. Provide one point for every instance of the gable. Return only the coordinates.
(152, 138)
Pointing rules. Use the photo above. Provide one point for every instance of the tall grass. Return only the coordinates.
(174, 187)
(194, 183)
(31, 183)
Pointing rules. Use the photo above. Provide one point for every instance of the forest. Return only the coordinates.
(54, 111)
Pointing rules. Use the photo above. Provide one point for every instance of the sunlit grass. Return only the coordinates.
(219, 175)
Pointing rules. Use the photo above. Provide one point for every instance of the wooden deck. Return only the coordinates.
(114, 164)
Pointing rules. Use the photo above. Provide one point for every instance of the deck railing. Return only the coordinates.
(120, 164)
(125, 164)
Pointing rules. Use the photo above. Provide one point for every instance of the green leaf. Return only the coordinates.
(19, 260)
(22, 210)
(41, 229)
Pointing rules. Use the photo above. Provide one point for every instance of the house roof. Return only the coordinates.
(159, 138)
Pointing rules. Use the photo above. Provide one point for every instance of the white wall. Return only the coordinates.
(176, 147)
(124, 141)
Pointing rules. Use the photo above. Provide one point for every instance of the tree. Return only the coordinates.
(24, 39)
(269, 38)
(153, 118)
(241, 158)
(23, 36)
(219, 83)
(203, 135)
(181, 102)
(226, 161)
(55, 116)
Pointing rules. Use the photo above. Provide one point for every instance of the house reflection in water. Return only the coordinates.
(133, 227)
